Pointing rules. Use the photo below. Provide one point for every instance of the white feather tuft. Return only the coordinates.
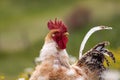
(70, 72)
(111, 75)
(80, 78)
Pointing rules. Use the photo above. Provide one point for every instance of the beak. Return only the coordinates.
(66, 34)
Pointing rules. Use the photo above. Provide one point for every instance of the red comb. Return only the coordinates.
(57, 25)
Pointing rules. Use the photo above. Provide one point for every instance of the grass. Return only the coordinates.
(30, 17)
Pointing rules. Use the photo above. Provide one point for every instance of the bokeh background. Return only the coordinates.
(23, 26)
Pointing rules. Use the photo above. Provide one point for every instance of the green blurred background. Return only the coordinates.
(23, 26)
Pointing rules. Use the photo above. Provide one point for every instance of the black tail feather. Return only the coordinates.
(95, 58)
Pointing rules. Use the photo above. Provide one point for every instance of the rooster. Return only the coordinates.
(54, 60)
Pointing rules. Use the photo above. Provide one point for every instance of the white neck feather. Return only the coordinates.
(50, 49)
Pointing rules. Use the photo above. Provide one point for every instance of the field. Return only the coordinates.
(23, 26)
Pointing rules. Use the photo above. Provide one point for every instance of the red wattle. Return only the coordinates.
(62, 43)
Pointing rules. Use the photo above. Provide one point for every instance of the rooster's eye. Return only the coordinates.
(53, 35)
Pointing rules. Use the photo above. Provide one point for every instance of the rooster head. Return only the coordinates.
(58, 32)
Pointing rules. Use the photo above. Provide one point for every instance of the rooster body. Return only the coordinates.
(54, 59)
(54, 64)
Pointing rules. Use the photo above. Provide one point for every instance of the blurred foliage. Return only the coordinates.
(23, 27)
(117, 56)
(2, 77)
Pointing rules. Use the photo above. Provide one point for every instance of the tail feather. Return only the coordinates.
(94, 59)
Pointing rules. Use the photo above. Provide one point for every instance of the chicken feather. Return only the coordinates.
(54, 59)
